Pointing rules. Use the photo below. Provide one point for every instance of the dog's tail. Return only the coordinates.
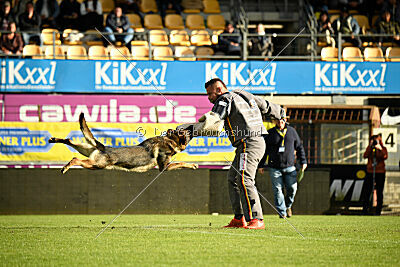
(88, 134)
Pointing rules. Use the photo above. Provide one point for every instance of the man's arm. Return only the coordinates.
(355, 26)
(267, 108)
(110, 22)
(300, 153)
(127, 24)
(221, 107)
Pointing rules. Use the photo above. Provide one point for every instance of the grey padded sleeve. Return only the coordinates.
(267, 108)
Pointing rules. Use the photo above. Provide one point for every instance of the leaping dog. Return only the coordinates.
(155, 151)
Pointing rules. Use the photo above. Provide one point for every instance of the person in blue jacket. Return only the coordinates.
(283, 145)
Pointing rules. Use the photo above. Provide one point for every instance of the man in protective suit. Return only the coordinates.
(241, 114)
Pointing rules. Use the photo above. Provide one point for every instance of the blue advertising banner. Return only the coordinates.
(260, 77)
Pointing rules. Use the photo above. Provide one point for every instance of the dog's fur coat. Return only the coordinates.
(143, 157)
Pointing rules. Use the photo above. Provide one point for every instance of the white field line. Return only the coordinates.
(166, 228)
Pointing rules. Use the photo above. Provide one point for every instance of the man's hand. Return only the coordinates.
(120, 30)
(304, 167)
(378, 146)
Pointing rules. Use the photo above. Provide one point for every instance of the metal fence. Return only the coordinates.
(302, 46)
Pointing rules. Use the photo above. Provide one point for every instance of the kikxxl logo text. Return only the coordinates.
(349, 77)
(125, 75)
(15, 74)
(237, 75)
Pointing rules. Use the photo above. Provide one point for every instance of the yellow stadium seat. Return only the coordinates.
(333, 11)
(184, 53)
(120, 53)
(139, 43)
(192, 6)
(393, 54)
(158, 37)
(67, 37)
(107, 5)
(373, 54)
(32, 51)
(216, 22)
(134, 19)
(211, 6)
(140, 52)
(352, 54)
(50, 36)
(76, 52)
(200, 38)
(147, 6)
(97, 52)
(163, 53)
(179, 38)
(195, 22)
(174, 22)
(204, 53)
(329, 54)
(54, 52)
(153, 21)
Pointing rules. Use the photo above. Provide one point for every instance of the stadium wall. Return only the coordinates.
(79, 191)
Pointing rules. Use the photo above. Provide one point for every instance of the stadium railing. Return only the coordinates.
(295, 51)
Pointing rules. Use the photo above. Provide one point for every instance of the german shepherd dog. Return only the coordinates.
(143, 157)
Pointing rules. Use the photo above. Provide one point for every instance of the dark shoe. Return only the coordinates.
(289, 212)
(255, 224)
(236, 223)
(282, 216)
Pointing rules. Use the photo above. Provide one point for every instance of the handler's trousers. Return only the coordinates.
(241, 178)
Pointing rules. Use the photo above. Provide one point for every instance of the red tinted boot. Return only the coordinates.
(235, 223)
(255, 224)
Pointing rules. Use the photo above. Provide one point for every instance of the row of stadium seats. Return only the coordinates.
(176, 22)
(97, 52)
(150, 6)
(156, 37)
(373, 54)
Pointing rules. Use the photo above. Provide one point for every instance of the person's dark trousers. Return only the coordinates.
(379, 186)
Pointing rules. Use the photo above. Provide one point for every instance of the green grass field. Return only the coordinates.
(197, 240)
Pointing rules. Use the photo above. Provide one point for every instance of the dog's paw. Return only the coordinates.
(64, 170)
(52, 140)
(195, 166)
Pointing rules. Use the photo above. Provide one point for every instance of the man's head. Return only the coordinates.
(215, 87)
(7, 7)
(118, 11)
(281, 122)
(260, 28)
(323, 16)
(376, 139)
(12, 27)
(29, 7)
(344, 12)
(386, 15)
(229, 27)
